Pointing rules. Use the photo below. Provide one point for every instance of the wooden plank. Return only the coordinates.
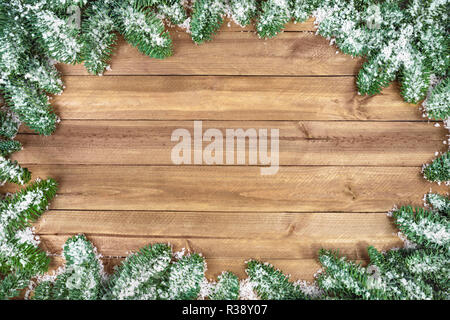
(244, 249)
(301, 143)
(227, 98)
(350, 226)
(299, 269)
(234, 53)
(234, 188)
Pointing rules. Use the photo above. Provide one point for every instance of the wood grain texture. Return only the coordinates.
(227, 98)
(234, 53)
(301, 143)
(349, 226)
(234, 188)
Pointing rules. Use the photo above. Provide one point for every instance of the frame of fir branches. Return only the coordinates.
(405, 40)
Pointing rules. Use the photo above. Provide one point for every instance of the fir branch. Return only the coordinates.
(9, 124)
(437, 105)
(423, 227)
(394, 280)
(439, 203)
(26, 205)
(18, 246)
(342, 279)
(274, 15)
(144, 30)
(227, 287)
(43, 291)
(439, 169)
(397, 39)
(301, 10)
(206, 19)
(183, 279)
(21, 253)
(9, 146)
(383, 279)
(172, 9)
(58, 40)
(271, 283)
(139, 275)
(64, 4)
(44, 75)
(81, 278)
(98, 37)
(14, 43)
(12, 283)
(243, 11)
(31, 105)
(432, 35)
(376, 74)
(11, 171)
(431, 265)
(415, 79)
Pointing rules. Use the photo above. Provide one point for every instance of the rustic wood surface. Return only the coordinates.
(345, 159)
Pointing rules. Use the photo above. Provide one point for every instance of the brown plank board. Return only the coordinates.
(350, 226)
(234, 188)
(301, 143)
(234, 53)
(227, 98)
(244, 249)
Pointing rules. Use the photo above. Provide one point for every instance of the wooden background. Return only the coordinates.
(345, 159)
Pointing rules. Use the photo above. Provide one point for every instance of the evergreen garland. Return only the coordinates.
(438, 203)
(20, 257)
(226, 288)
(421, 270)
(439, 169)
(242, 11)
(9, 124)
(272, 284)
(150, 274)
(405, 40)
(437, 104)
(81, 279)
(11, 171)
(274, 15)
(207, 17)
(9, 146)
